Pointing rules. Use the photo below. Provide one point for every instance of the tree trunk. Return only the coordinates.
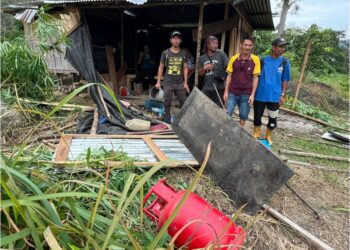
(285, 7)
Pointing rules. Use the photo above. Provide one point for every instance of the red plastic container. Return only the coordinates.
(197, 224)
(123, 91)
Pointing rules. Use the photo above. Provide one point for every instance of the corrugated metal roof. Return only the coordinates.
(258, 11)
(137, 148)
(26, 15)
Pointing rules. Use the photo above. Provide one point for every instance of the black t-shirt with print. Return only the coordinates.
(174, 63)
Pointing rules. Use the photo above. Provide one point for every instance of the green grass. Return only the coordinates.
(339, 82)
(313, 147)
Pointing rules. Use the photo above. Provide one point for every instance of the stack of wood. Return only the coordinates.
(73, 86)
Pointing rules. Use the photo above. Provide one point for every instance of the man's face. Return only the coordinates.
(146, 49)
(213, 45)
(279, 49)
(175, 41)
(247, 46)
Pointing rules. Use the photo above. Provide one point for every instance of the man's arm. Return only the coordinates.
(254, 87)
(285, 79)
(185, 78)
(284, 89)
(159, 75)
(227, 86)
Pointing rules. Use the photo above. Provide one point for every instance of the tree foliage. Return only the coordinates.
(23, 65)
(329, 51)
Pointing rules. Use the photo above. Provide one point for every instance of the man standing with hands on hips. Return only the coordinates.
(175, 77)
(272, 87)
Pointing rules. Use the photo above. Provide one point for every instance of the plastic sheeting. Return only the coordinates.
(79, 54)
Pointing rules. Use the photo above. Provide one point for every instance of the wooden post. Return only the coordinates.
(122, 42)
(223, 35)
(199, 38)
(232, 42)
(94, 126)
(314, 241)
(302, 71)
(111, 68)
(239, 36)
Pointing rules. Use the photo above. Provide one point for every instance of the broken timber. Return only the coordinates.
(239, 164)
(313, 240)
(152, 148)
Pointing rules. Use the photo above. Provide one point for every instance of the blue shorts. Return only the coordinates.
(243, 105)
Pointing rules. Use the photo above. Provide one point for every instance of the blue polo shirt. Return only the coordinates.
(271, 78)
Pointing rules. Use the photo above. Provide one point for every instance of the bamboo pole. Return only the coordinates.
(313, 240)
(94, 123)
(319, 156)
(199, 38)
(223, 35)
(302, 71)
(313, 119)
(308, 165)
(66, 106)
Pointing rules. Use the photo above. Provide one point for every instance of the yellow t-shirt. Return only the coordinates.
(253, 57)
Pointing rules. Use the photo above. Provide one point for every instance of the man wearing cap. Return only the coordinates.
(212, 66)
(272, 87)
(175, 77)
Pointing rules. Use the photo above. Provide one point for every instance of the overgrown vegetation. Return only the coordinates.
(328, 60)
(308, 110)
(314, 145)
(24, 71)
(329, 52)
(23, 68)
(78, 208)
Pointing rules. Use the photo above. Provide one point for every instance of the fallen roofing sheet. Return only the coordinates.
(148, 150)
(238, 163)
(336, 137)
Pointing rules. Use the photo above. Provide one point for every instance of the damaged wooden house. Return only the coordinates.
(108, 35)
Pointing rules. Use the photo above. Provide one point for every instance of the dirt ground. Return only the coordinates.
(268, 233)
(330, 200)
(320, 95)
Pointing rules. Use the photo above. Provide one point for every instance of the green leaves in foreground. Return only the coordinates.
(75, 214)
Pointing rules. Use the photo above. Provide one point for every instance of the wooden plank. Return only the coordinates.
(121, 73)
(118, 163)
(111, 68)
(102, 98)
(313, 240)
(238, 37)
(232, 42)
(314, 155)
(223, 35)
(313, 119)
(94, 123)
(63, 148)
(83, 136)
(66, 106)
(199, 39)
(303, 67)
(217, 28)
(155, 149)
